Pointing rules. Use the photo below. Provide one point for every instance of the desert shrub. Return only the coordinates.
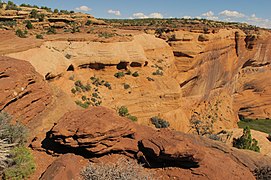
(39, 36)
(135, 74)
(158, 72)
(132, 118)
(64, 12)
(263, 173)
(73, 90)
(126, 86)
(128, 72)
(20, 33)
(150, 79)
(159, 122)
(56, 11)
(108, 85)
(28, 24)
(51, 30)
(121, 170)
(269, 137)
(46, 8)
(23, 164)
(41, 17)
(12, 6)
(9, 23)
(84, 98)
(123, 111)
(16, 162)
(88, 23)
(119, 74)
(12, 133)
(106, 35)
(246, 141)
(34, 14)
(68, 56)
(83, 105)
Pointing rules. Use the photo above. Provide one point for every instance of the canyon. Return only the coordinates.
(217, 76)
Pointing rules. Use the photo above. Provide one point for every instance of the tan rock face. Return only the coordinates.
(99, 131)
(24, 93)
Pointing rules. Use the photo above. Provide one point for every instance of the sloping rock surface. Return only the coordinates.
(24, 94)
(98, 132)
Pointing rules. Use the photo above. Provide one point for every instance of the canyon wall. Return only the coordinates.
(211, 77)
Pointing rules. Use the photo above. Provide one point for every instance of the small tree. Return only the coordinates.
(159, 122)
(246, 141)
(56, 11)
(29, 25)
(34, 14)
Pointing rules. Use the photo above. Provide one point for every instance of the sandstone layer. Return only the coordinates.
(98, 132)
(24, 93)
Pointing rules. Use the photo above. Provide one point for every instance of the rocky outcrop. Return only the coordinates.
(97, 132)
(24, 93)
(68, 166)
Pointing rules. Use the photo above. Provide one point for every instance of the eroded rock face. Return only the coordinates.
(24, 93)
(68, 166)
(98, 132)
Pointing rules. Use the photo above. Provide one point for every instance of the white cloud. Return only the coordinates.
(141, 15)
(83, 8)
(115, 12)
(234, 14)
(156, 15)
(208, 14)
(261, 22)
(187, 17)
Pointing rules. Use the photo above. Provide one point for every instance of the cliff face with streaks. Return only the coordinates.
(212, 77)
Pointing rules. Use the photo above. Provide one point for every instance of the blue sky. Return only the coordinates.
(256, 12)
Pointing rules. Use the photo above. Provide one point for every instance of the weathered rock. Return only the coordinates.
(67, 166)
(98, 132)
(24, 93)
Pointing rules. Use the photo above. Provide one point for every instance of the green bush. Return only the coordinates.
(12, 6)
(20, 33)
(83, 105)
(119, 74)
(122, 170)
(51, 30)
(24, 164)
(88, 23)
(135, 74)
(56, 11)
(39, 36)
(123, 111)
(34, 14)
(132, 118)
(16, 161)
(159, 122)
(246, 141)
(28, 25)
(12, 133)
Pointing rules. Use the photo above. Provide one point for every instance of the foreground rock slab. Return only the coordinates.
(99, 132)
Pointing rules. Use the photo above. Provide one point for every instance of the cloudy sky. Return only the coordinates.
(256, 12)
